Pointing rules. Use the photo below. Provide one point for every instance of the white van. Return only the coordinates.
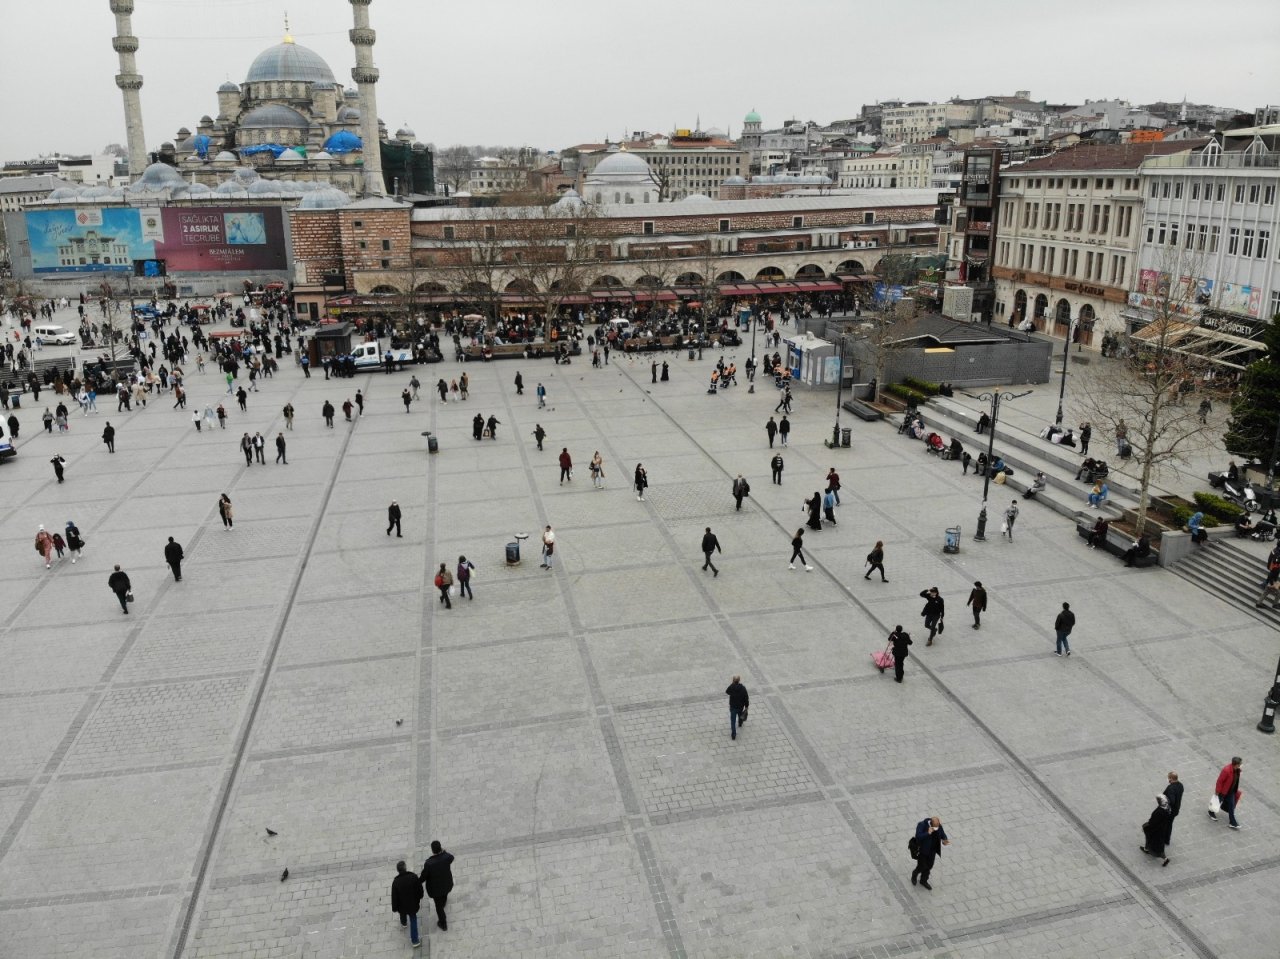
(57, 335)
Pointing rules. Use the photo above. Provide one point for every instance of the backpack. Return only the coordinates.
(913, 847)
(439, 580)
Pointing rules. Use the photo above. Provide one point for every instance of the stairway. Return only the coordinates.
(1230, 574)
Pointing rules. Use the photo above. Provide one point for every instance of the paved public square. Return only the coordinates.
(565, 735)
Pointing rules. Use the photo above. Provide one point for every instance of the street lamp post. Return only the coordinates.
(995, 397)
(1066, 355)
(755, 321)
(835, 433)
(1268, 722)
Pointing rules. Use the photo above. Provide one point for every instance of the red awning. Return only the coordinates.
(825, 286)
(685, 291)
(576, 299)
(854, 278)
(785, 288)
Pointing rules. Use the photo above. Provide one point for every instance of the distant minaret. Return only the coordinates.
(365, 75)
(130, 82)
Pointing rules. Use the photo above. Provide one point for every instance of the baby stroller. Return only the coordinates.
(933, 444)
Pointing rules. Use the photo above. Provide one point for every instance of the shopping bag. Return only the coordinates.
(1215, 804)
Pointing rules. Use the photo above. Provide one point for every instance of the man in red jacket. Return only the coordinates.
(1228, 790)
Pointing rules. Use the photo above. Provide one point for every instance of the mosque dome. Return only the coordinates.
(159, 176)
(326, 198)
(229, 87)
(273, 116)
(751, 117)
(348, 115)
(405, 132)
(226, 156)
(569, 202)
(734, 181)
(623, 165)
(195, 189)
(64, 193)
(696, 198)
(289, 156)
(288, 61)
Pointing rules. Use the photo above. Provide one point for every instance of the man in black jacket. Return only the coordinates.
(740, 490)
(777, 466)
(932, 612)
(173, 556)
(437, 877)
(930, 837)
(1062, 626)
(118, 582)
(1173, 793)
(710, 545)
(406, 896)
(393, 518)
(738, 703)
(900, 641)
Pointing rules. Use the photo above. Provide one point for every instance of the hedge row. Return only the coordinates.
(914, 397)
(1219, 507)
(922, 386)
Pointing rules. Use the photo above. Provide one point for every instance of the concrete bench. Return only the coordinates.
(510, 351)
(1117, 544)
(864, 411)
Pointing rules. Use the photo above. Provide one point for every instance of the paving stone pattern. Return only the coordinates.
(565, 734)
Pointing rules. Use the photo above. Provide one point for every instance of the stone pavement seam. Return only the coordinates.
(1219, 875)
(345, 661)
(960, 774)
(1099, 750)
(737, 807)
(321, 749)
(1040, 918)
(192, 901)
(135, 770)
(84, 898)
(181, 680)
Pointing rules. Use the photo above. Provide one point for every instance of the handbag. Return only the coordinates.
(913, 847)
(941, 626)
(128, 597)
(1215, 804)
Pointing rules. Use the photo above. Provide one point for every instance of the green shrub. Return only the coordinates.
(907, 393)
(1219, 507)
(922, 386)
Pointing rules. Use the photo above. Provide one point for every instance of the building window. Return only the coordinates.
(724, 226)
(1269, 195)
(1173, 233)
(1160, 235)
(490, 232)
(1214, 233)
(358, 224)
(868, 218)
(1222, 192)
(1247, 248)
(1275, 303)
(1202, 233)
(1233, 241)
(386, 264)
(1264, 243)
(1164, 190)
(1254, 190)
(571, 230)
(364, 245)
(1195, 191)
(797, 222)
(448, 233)
(1155, 189)
(648, 228)
(386, 246)
(1239, 193)
(1177, 190)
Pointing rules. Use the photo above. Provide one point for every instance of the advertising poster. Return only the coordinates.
(188, 239)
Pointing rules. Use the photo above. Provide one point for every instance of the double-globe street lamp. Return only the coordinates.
(1066, 356)
(995, 397)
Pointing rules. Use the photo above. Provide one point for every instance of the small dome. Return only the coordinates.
(159, 176)
(323, 85)
(230, 188)
(623, 165)
(262, 187)
(350, 93)
(348, 115)
(274, 116)
(405, 132)
(569, 202)
(751, 117)
(326, 198)
(226, 156)
(734, 181)
(290, 156)
(195, 189)
(322, 155)
(245, 175)
(228, 87)
(64, 193)
(206, 120)
(288, 61)
(696, 198)
(183, 133)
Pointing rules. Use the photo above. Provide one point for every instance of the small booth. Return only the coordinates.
(812, 360)
(332, 339)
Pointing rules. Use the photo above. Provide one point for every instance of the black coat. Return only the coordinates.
(119, 582)
(393, 514)
(1173, 793)
(738, 697)
(900, 640)
(172, 553)
(710, 543)
(933, 606)
(406, 894)
(437, 877)
(1157, 829)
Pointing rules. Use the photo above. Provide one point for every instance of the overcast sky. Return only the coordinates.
(556, 72)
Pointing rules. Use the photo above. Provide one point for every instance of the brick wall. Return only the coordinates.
(314, 235)
(368, 237)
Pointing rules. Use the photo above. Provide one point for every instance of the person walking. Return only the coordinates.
(477, 426)
(197, 420)
(641, 481)
(1085, 434)
(246, 447)
(222, 417)
(542, 396)
(519, 384)
(173, 556)
(288, 416)
(75, 542)
(566, 465)
(829, 507)
(739, 703)
(833, 484)
(1122, 437)
(58, 463)
(118, 583)
(259, 448)
(437, 880)
(596, 467)
(243, 399)
(784, 401)
(930, 838)
(1062, 627)
(280, 450)
(492, 424)
(44, 546)
(393, 518)
(741, 488)
(444, 583)
(899, 639)
(772, 429)
(465, 566)
(875, 560)
(784, 430)
(797, 551)
(1227, 791)
(406, 897)
(1157, 829)
(1010, 515)
(710, 545)
(47, 420)
(934, 610)
(548, 547)
(327, 412)
(406, 398)
(977, 602)
(226, 512)
(539, 434)
(347, 408)
(109, 436)
(360, 401)
(776, 465)
(814, 506)
(415, 384)
(1173, 793)
(443, 389)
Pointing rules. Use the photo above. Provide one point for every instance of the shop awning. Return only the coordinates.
(784, 288)
(1209, 345)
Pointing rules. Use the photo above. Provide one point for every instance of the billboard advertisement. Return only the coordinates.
(189, 239)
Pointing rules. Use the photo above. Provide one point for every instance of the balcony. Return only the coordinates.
(978, 226)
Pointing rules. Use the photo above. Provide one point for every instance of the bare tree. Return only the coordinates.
(453, 166)
(479, 271)
(552, 247)
(1141, 399)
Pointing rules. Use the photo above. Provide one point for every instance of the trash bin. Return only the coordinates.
(691, 352)
(846, 436)
(15, 401)
(433, 446)
(951, 542)
(513, 554)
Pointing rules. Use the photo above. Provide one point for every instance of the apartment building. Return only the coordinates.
(1070, 227)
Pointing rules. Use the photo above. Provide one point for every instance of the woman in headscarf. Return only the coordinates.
(815, 510)
(1157, 829)
(1195, 526)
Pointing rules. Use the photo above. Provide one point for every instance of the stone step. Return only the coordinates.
(1229, 574)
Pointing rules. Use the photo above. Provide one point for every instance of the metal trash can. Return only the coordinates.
(513, 554)
(691, 352)
(15, 401)
(951, 542)
(846, 436)
(433, 446)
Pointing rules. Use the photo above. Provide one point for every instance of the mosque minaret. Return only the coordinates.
(365, 75)
(130, 83)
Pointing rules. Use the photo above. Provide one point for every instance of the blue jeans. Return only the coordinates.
(1062, 643)
(734, 718)
(1229, 807)
(413, 926)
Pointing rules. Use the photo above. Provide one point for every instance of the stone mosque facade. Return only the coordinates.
(289, 117)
